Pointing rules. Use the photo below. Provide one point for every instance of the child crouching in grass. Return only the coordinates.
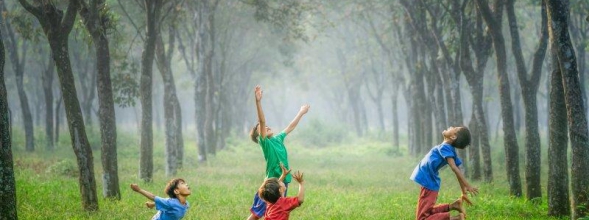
(168, 208)
(426, 174)
(273, 192)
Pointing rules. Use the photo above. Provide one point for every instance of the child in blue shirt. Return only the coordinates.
(173, 207)
(426, 174)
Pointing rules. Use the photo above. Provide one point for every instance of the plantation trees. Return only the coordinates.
(558, 12)
(8, 189)
(57, 25)
(96, 20)
(529, 86)
(493, 19)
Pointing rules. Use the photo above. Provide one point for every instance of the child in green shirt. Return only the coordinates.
(273, 148)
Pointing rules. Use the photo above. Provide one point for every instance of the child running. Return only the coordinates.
(273, 191)
(168, 208)
(273, 148)
(426, 174)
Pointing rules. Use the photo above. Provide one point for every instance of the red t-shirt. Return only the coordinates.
(281, 209)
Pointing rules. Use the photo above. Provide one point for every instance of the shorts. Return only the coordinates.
(259, 207)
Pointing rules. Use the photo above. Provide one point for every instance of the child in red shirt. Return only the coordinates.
(272, 191)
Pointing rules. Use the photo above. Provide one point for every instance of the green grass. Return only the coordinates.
(358, 179)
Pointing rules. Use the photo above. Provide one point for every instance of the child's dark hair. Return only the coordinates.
(172, 185)
(270, 190)
(254, 133)
(462, 138)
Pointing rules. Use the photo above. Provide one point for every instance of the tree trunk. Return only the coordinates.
(146, 86)
(57, 25)
(47, 78)
(93, 16)
(171, 104)
(558, 174)
(529, 88)
(475, 158)
(18, 66)
(509, 136)
(8, 189)
(558, 13)
(395, 115)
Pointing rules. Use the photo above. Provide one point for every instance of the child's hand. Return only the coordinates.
(150, 205)
(258, 92)
(304, 109)
(298, 176)
(472, 190)
(465, 198)
(284, 170)
(135, 187)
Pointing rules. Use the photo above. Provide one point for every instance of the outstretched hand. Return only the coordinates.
(258, 93)
(135, 187)
(468, 189)
(284, 170)
(298, 176)
(305, 108)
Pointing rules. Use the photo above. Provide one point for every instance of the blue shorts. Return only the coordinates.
(259, 207)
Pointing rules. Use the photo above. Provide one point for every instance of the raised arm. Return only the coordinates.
(464, 185)
(284, 172)
(147, 194)
(298, 176)
(293, 124)
(261, 118)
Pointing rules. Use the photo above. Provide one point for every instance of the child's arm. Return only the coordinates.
(261, 118)
(298, 176)
(293, 124)
(464, 185)
(147, 194)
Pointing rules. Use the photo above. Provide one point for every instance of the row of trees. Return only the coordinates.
(431, 54)
(204, 46)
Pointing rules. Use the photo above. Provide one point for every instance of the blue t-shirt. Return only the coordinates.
(169, 208)
(426, 173)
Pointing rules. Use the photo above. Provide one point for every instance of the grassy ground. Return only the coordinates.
(356, 180)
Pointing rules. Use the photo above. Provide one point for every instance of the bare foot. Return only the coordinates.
(460, 216)
(457, 205)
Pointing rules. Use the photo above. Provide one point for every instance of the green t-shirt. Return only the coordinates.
(274, 153)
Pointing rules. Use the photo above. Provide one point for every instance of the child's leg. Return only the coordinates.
(425, 204)
(258, 208)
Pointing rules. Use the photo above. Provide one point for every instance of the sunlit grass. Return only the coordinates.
(358, 179)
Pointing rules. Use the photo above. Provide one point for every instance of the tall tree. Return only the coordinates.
(558, 170)
(95, 16)
(558, 18)
(204, 86)
(8, 189)
(493, 19)
(18, 59)
(172, 111)
(47, 78)
(57, 25)
(529, 83)
(153, 9)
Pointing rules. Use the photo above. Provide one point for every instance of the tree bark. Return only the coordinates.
(558, 12)
(509, 137)
(94, 19)
(7, 181)
(558, 174)
(47, 79)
